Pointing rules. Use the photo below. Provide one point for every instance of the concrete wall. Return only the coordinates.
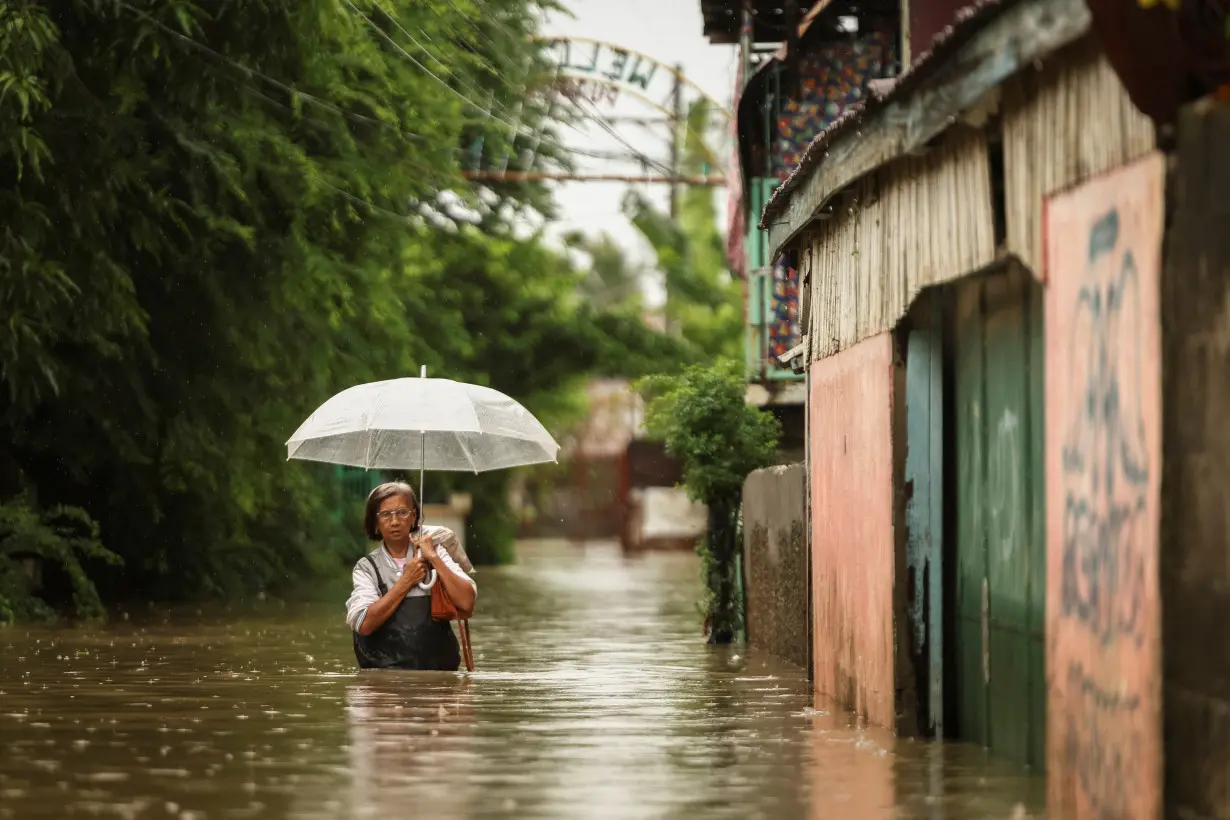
(775, 561)
(1195, 553)
(1103, 493)
(853, 542)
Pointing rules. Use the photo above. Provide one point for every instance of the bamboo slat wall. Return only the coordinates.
(1069, 121)
(917, 222)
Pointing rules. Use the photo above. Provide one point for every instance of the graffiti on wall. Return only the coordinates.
(1103, 344)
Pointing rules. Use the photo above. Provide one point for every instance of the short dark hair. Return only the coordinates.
(383, 493)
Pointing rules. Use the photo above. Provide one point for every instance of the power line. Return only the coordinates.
(601, 121)
(254, 73)
(402, 29)
(426, 70)
(512, 39)
(633, 154)
(515, 128)
(515, 125)
(248, 71)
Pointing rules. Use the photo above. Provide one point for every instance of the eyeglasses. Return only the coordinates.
(389, 515)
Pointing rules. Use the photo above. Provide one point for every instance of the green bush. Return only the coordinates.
(32, 541)
(702, 418)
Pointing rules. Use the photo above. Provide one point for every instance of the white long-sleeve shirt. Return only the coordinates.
(366, 592)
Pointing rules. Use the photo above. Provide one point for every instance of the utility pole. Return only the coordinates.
(677, 124)
(792, 48)
(677, 130)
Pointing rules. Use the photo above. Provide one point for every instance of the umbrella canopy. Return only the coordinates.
(433, 424)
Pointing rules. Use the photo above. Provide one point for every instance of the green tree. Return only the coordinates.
(702, 418)
(704, 302)
(612, 279)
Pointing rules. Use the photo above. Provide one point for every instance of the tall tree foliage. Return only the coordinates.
(215, 215)
(613, 279)
(704, 302)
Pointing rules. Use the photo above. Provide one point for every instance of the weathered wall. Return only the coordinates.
(1195, 571)
(917, 222)
(775, 561)
(1063, 124)
(1103, 477)
(853, 547)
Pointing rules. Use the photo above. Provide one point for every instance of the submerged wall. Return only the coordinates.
(775, 561)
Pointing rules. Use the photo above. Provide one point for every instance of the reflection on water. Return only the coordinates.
(595, 697)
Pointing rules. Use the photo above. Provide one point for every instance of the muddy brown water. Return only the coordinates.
(595, 697)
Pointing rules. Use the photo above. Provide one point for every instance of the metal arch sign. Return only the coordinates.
(601, 64)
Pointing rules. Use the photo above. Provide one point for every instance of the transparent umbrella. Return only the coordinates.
(423, 424)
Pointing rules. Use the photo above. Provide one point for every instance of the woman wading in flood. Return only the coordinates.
(389, 610)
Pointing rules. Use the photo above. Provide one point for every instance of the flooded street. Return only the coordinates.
(595, 696)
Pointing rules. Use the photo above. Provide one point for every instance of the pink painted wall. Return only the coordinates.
(851, 421)
(1103, 481)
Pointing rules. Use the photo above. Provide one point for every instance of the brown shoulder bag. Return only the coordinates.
(443, 609)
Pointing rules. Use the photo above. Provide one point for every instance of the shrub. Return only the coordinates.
(702, 418)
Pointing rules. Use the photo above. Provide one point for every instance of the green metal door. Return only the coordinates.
(999, 669)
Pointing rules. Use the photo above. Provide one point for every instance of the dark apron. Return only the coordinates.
(409, 639)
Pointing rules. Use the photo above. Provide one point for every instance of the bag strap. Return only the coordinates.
(379, 581)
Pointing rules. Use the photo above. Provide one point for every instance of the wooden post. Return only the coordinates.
(792, 48)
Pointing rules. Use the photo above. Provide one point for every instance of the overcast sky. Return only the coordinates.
(669, 31)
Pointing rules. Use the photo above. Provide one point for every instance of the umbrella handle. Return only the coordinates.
(423, 463)
(427, 585)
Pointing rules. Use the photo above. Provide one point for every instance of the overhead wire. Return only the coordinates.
(248, 71)
(632, 155)
(440, 81)
(311, 99)
(600, 119)
(517, 129)
(255, 73)
(514, 126)
(512, 39)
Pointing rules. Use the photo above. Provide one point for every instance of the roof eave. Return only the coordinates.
(988, 42)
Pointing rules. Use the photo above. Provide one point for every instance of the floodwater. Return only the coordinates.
(596, 697)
